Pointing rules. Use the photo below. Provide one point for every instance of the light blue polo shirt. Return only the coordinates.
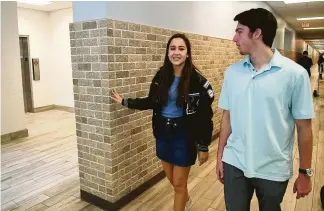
(263, 107)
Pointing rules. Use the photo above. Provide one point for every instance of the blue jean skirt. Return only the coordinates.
(172, 143)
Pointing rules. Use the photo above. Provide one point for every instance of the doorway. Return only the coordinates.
(288, 40)
(25, 73)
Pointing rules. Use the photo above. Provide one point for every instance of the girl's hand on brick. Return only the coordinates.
(116, 97)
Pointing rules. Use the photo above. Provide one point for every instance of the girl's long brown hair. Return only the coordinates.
(167, 74)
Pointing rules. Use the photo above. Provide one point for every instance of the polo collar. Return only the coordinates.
(276, 60)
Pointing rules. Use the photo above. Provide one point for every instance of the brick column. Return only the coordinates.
(116, 147)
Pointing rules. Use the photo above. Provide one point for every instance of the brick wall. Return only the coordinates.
(116, 147)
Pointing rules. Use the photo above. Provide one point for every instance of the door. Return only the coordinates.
(25, 73)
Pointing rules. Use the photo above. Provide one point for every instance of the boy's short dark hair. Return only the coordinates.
(305, 52)
(259, 19)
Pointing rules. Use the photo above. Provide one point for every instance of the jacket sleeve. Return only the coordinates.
(143, 103)
(205, 116)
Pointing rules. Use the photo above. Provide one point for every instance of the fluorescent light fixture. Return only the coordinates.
(296, 1)
(313, 28)
(310, 18)
(35, 2)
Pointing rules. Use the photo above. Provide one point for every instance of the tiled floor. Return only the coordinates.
(40, 172)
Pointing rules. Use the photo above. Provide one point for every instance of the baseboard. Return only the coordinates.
(14, 135)
(64, 108)
(43, 108)
(106, 205)
(54, 107)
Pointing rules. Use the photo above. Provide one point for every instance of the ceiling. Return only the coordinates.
(290, 13)
(52, 6)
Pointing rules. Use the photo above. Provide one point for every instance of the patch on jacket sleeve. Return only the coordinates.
(206, 84)
(210, 93)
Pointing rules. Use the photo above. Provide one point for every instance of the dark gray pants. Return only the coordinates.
(238, 191)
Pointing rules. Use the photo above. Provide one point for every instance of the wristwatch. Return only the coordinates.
(307, 172)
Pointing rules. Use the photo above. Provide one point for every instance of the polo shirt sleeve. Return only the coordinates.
(302, 100)
(223, 101)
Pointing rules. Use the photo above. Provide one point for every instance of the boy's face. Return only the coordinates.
(243, 39)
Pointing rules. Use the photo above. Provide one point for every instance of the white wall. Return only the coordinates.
(89, 10)
(12, 104)
(49, 40)
(36, 25)
(61, 65)
(211, 18)
(0, 67)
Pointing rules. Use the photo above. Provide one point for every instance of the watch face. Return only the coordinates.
(309, 172)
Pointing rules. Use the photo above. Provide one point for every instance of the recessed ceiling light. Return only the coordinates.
(313, 28)
(310, 18)
(35, 2)
(295, 1)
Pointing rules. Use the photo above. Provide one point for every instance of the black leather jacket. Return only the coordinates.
(198, 112)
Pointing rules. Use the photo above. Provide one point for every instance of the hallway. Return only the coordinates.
(41, 173)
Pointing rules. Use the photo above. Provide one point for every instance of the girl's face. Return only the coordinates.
(177, 52)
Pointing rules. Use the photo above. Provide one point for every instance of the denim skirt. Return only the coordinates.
(172, 143)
